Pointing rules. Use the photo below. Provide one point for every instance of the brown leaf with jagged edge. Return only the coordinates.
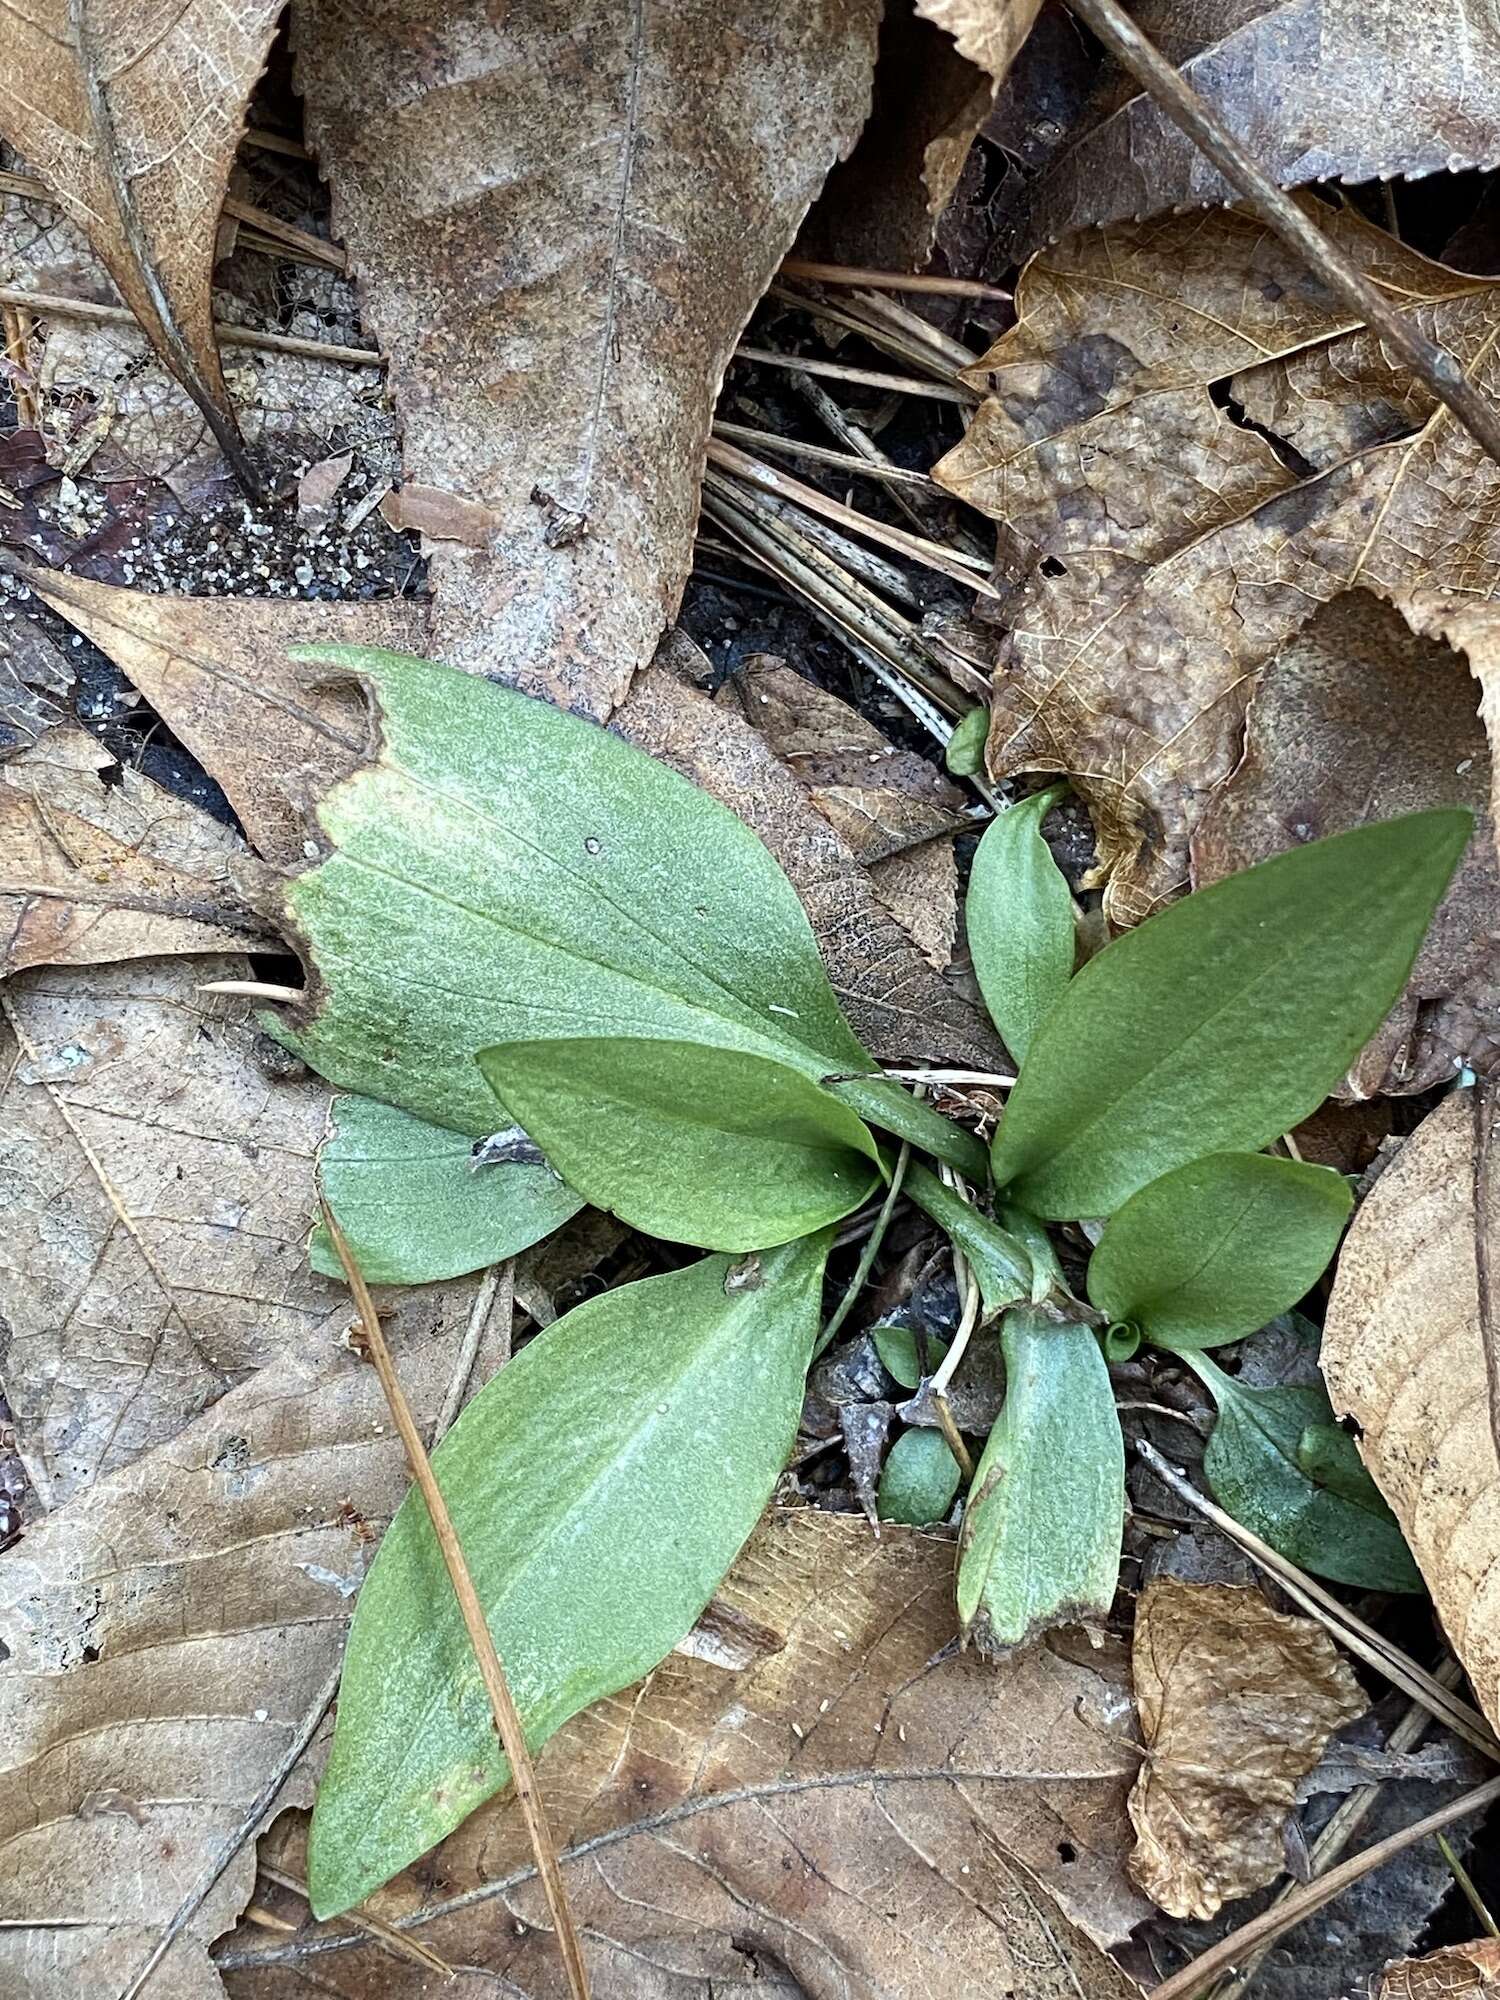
(1314, 89)
(1236, 1704)
(132, 120)
(1176, 551)
(900, 1008)
(159, 1185)
(165, 1637)
(216, 670)
(1359, 718)
(1411, 1351)
(1454, 1973)
(98, 864)
(562, 217)
(815, 1790)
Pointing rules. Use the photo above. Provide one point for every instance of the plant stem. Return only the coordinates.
(890, 281)
(502, 1704)
(867, 1256)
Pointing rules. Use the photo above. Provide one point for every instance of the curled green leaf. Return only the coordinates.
(1000, 1262)
(964, 755)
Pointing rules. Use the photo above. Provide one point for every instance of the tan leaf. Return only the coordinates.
(562, 217)
(98, 864)
(1314, 90)
(1177, 553)
(168, 1634)
(1450, 1974)
(216, 670)
(1359, 718)
(1409, 1351)
(159, 1184)
(34, 684)
(132, 120)
(1236, 1704)
(897, 1005)
(850, 1807)
(988, 32)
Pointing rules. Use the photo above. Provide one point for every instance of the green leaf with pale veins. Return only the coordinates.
(1042, 1530)
(1272, 1462)
(693, 1143)
(1222, 1021)
(1019, 921)
(1216, 1249)
(503, 872)
(601, 1485)
(918, 1481)
(414, 1206)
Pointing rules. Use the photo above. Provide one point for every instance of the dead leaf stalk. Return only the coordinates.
(818, 454)
(869, 378)
(44, 303)
(502, 1704)
(496, 1297)
(363, 1920)
(1431, 364)
(891, 281)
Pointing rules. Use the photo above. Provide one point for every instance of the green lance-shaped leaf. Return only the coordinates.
(601, 1485)
(1215, 1249)
(1042, 1531)
(503, 872)
(1001, 1263)
(1019, 919)
(1274, 1464)
(918, 1480)
(416, 1208)
(900, 1356)
(1221, 1022)
(697, 1144)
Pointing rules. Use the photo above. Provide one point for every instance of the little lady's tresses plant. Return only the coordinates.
(526, 932)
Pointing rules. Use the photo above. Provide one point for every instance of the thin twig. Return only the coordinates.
(870, 378)
(58, 307)
(920, 506)
(1431, 364)
(891, 281)
(262, 1803)
(1466, 1885)
(502, 1705)
(905, 348)
(499, 1282)
(867, 1256)
(1311, 1896)
(253, 989)
(820, 454)
(289, 241)
(955, 1443)
(365, 1920)
(1360, 1639)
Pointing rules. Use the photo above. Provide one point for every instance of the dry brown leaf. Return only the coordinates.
(898, 1006)
(1314, 89)
(562, 217)
(988, 32)
(853, 1810)
(1451, 1974)
(35, 681)
(99, 864)
(1177, 553)
(1410, 1353)
(132, 120)
(165, 1635)
(215, 669)
(1236, 1704)
(158, 1189)
(1359, 718)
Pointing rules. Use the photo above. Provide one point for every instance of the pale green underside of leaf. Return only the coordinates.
(504, 872)
(414, 1207)
(1001, 1264)
(1335, 1523)
(1019, 921)
(1215, 1249)
(918, 1480)
(1041, 1540)
(1221, 1022)
(694, 1143)
(601, 1485)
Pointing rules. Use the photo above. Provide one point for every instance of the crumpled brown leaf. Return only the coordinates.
(561, 217)
(166, 1635)
(1314, 89)
(1176, 550)
(1450, 1974)
(823, 1796)
(99, 864)
(1236, 1704)
(1358, 718)
(132, 120)
(1410, 1352)
(158, 1186)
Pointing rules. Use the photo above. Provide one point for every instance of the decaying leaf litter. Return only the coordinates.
(1241, 603)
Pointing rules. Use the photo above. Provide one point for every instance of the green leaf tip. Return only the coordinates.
(1224, 1020)
(601, 1485)
(1019, 920)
